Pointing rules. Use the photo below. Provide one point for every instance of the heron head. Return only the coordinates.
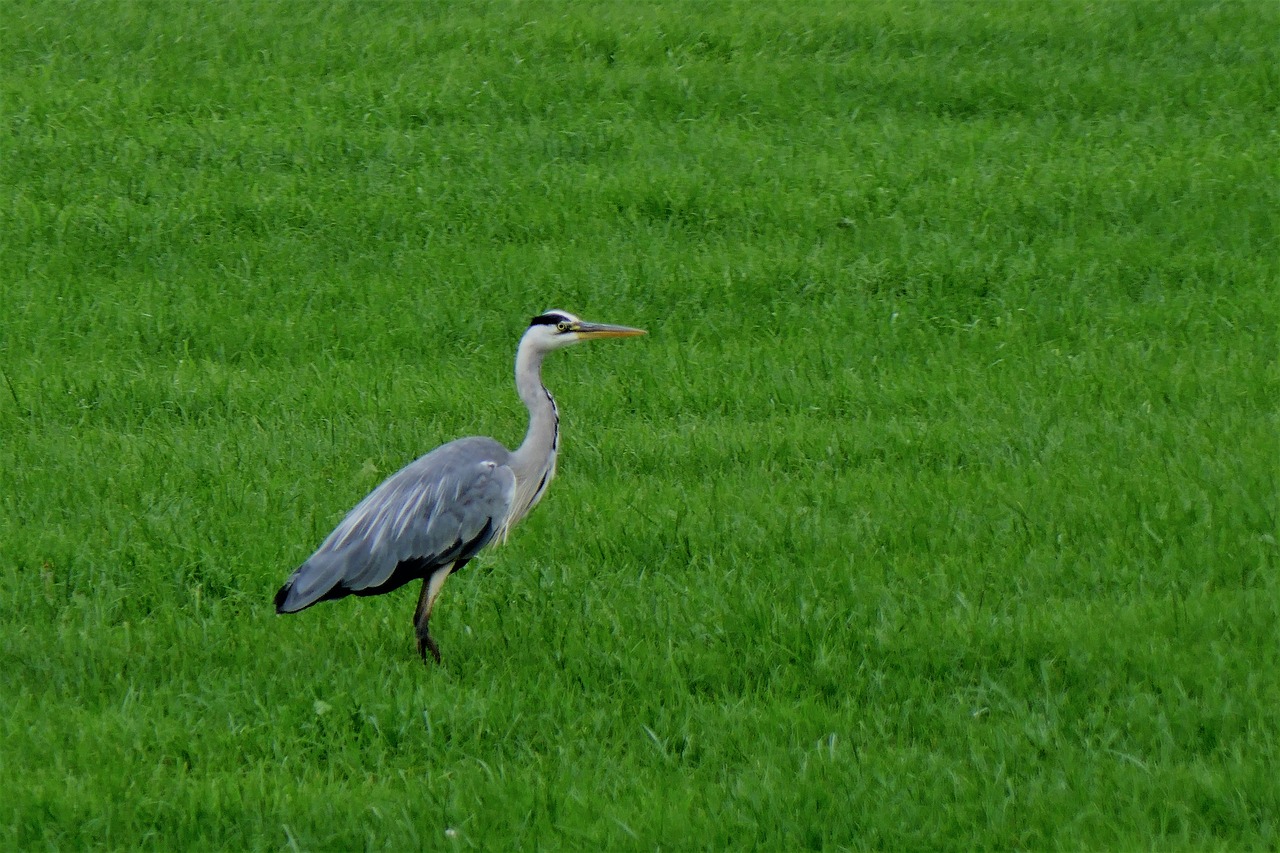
(558, 329)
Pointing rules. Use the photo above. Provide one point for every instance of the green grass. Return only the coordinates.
(937, 511)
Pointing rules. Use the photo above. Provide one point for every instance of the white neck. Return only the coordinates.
(534, 461)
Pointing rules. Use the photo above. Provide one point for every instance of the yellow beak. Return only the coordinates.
(589, 331)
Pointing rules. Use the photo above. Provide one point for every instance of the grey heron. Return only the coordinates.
(427, 520)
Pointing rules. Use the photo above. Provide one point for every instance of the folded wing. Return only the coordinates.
(438, 510)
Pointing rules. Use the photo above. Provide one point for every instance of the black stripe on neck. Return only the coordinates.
(555, 420)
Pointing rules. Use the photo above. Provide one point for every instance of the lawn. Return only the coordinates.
(938, 509)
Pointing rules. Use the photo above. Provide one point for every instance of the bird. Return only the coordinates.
(429, 519)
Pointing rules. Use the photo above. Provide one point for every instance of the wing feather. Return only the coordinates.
(442, 508)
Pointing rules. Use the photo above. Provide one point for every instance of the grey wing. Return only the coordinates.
(442, 508)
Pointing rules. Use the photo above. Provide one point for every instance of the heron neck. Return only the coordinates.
(537, 453)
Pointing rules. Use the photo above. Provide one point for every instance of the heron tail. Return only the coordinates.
(321, 578)
(282, 595)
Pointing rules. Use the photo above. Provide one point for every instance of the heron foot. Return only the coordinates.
(427, 644)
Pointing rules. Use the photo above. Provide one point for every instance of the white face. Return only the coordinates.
(554, 329)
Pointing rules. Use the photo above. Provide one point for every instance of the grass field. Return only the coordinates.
(938, 510)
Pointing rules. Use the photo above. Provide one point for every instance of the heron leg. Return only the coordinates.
(431, 586)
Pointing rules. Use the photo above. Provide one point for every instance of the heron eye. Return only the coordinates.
(563, 326)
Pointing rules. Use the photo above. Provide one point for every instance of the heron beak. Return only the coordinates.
(590, 331)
